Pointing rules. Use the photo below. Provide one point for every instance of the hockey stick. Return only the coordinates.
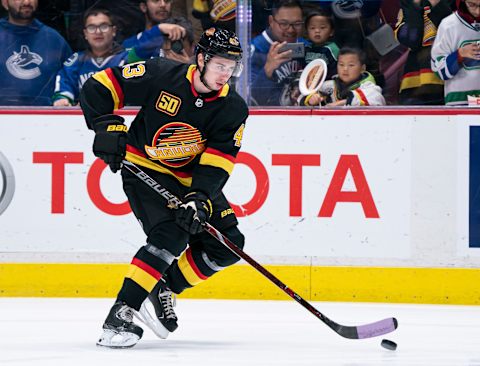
(353, 332)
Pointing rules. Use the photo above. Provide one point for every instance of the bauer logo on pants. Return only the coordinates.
(7, 183)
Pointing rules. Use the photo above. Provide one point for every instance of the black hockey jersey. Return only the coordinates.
(194, 138)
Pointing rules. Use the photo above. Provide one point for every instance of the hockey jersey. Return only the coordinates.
(192, 137)
(30, 58)
(462, 77)
(364, 92)
(417, 28)
(266, 91)
(327, 52)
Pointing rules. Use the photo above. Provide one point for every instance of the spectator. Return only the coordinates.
(354, 21)
(102, 52)
(273, 68)
(418, 21)
(456, 53)
(211, 13)
(353, 85)
(175, 47)
(31, 55)
(320, 31)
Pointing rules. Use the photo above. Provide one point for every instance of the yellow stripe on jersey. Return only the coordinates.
(143, 278)
(103, 79)
(188, 272)
(186, 181)
(217, 161)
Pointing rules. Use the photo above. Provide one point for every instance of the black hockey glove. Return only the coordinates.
(110, 143)
(195, 211)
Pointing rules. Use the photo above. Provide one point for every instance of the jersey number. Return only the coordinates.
(168, 103)
(133, 71)
(239, 135)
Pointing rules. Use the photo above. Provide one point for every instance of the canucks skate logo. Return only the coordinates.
(347, 9)
(24, 64)
(176, 144)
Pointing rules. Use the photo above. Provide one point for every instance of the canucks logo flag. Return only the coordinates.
(474, 188)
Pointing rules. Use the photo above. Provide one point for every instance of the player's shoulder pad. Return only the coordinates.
(235, 104)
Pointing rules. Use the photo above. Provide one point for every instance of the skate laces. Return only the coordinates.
(167, 299)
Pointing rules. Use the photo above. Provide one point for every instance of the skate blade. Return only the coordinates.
(113, 339)
(147, 316)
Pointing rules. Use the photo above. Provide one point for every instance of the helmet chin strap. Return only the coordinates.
(202, 77)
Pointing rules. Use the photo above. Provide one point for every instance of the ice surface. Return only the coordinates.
(40, 331)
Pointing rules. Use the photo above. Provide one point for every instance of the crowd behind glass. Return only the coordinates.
(390, 52)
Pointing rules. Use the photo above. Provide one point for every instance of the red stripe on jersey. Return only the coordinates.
(219, 153)
(416, 73)
(140, 153)
(362, 96)
(136, 151)
(194, 266)
(147, 268)
(117, 87)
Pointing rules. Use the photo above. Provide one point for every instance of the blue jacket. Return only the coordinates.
(150, 37)
(30, 57)
(265, 91)
(80, 66)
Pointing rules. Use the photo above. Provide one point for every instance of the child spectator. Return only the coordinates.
(30, 56)
(456, 53)
(103, 52)
(353, 85)
(418, 21)
(320, 30)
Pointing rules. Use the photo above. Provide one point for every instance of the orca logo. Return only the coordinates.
(24, 64)
(7, 183)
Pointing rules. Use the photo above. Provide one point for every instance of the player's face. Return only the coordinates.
(319, 29)
(349, 68)
(21, 9)
(286, 24)
(158, 10)
(219, 71)
(99, 32)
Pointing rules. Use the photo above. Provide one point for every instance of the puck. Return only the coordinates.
(392, 346)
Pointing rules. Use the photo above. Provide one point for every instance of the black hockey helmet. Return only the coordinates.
(220, 42)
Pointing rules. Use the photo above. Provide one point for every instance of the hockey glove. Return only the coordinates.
(195, 211)
(110, 143)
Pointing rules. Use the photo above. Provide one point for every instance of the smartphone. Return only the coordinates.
(298, 49)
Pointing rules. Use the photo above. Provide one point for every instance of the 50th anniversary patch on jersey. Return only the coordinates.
(176, 144)
(168, 103)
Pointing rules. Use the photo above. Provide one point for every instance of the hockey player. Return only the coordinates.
(186, 135)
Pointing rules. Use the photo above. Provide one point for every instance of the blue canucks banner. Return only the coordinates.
(474, 188)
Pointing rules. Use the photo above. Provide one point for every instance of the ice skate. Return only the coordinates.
(157, 311)
(119, 330)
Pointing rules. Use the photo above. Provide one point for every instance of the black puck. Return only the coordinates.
(392, 346)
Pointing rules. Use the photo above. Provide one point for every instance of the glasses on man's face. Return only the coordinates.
(284, 25)
(102, 28)
(473, 6)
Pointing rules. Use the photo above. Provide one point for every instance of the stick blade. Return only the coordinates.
(367, 330)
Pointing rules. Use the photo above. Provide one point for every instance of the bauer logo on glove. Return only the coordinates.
(110, 143)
